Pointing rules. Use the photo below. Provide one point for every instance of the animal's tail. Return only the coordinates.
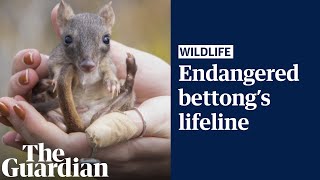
(67, 105)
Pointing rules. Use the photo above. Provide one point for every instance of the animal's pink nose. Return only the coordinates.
(87, 66)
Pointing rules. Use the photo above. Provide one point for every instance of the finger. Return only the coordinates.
(156, 168)
(35, 129)
(22, 82)
(31, 58)
(135, 149)
(42, 69)
(5, 121)
(54, 14)
(150, 148)
(154, 114)
(153, 76)
(27, 58)
(19, 98)
(156, 141)
(9, 139)
(15, 140)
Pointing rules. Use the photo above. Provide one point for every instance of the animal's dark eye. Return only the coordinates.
(68, 39)
(106, 39)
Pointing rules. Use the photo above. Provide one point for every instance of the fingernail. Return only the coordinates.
(4, 110)
(5, 121)
(19, 111)
(18, 138)
(24, 79)
(28, 58)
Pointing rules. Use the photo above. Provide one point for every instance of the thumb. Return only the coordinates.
(54, 14)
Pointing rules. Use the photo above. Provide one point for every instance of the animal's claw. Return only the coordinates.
(113, 87)
(54, 84)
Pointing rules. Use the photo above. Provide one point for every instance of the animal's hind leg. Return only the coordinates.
(115, 127)
(44, 86)
(126, 97)
(43, 98)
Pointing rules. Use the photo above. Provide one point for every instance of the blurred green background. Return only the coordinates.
(142, 24)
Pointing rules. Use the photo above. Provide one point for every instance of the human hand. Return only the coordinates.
(145, 156)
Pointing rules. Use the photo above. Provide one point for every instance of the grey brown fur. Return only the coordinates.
(83, 74)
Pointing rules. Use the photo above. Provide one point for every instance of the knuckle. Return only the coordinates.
(5, 99)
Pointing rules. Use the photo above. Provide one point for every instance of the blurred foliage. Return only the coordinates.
(142, 24)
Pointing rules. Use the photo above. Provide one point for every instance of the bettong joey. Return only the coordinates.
(82, 83)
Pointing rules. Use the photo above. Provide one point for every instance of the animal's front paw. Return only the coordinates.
(42, 86)
(43, 91)
(113, 86)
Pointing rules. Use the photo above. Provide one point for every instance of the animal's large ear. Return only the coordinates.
(65, 13)
(106, 12)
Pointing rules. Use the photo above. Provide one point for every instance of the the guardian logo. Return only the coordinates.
(51, 163)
